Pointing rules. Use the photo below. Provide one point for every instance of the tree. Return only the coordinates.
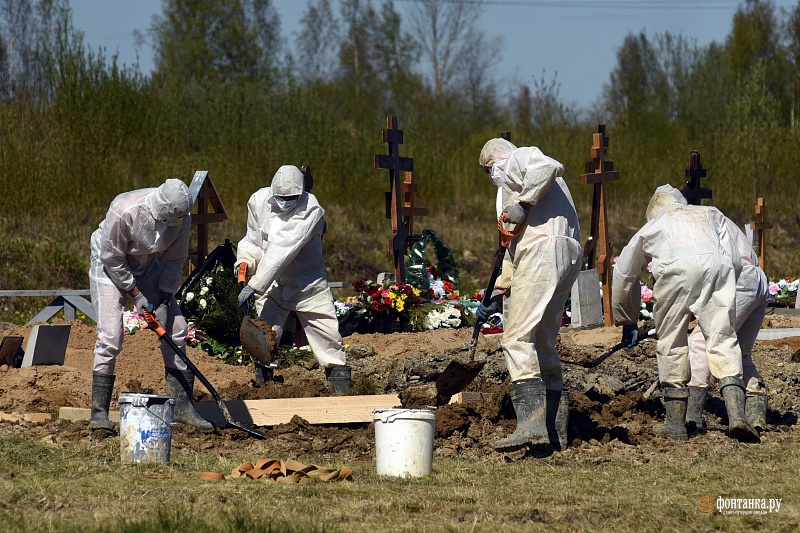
(793, 52)
(631, 80)
(752, 44)
(317, 40)
(355, 57)
(446, 32)
(199, 40)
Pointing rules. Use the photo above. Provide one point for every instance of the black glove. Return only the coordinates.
(630, 336)
(162, 312)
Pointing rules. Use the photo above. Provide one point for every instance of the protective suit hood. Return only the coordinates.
(287, 181)
(495, 153)
(665, 196)
(170, 200)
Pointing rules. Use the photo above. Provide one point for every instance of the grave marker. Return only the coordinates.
(394, 198)
(204, 195)
(599, 172)
(692, 191)
(47, 345)
(760, 224)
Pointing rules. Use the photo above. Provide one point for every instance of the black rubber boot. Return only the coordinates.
(732, 389)
(180, 385)
(529, 402)
(102, 385)
(755, 409)
(675, 403)
(558, 418)
(340, 377)
(695, 422)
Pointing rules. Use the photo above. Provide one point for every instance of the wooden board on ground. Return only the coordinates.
(33, 418)
(324, 410)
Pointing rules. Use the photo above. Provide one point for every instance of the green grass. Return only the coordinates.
(83, 487)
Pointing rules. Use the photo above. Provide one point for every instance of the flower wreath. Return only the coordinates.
(417, 261)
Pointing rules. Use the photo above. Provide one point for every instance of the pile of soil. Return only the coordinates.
(613, 406)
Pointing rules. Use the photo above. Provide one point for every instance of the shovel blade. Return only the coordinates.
(455, 378)
(258, 339)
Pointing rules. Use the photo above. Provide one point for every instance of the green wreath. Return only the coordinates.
(417, 261)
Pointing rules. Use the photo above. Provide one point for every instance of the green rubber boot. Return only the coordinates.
(732, 389)
(180, 385)
(755, 411)
(528, 398)
(695, 422)
(102, 385)
(675, 403)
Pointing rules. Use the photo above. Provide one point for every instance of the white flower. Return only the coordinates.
(189, 297)
(202, 304)
(209, 281)
(203, 291)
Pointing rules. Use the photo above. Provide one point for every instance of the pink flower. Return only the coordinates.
(650, 266)
(647, 294)
(773, 289)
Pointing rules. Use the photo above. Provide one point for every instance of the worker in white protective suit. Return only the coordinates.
(752, 294)
(283, 251)
(543, 263)
(138, 251)
(695, 265)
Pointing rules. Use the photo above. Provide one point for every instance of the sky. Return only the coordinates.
(573, 41)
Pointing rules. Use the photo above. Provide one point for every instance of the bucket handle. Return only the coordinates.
(144, 402)
(384, 417)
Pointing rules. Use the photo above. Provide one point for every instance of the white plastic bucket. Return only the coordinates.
(145, 427)
(404, 441)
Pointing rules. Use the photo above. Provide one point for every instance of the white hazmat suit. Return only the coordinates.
(544, 260)
(284, 245)
(694, 265)
(752, 294)
(143, 242)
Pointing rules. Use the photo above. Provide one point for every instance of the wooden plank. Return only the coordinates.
(599, 177)
(33, 418)
(54, 292)
(323, 410)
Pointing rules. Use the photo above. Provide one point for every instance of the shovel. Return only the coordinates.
(162, 334)
(255, 335)
(457, 375)
(608, 353)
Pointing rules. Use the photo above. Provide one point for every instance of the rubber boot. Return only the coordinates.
(528, 398)
(695, 422)
(755, 409)
(732, 389)
(102, 385)
(180, 385)
(340, 377)
(558, 418)
(675, 403)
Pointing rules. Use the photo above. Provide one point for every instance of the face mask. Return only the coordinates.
(285, 205)
(496, 175)
(173, 221)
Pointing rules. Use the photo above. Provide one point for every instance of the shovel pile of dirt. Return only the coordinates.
(613, 405)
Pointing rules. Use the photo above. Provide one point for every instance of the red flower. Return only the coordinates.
(433, 272)
(478, 296)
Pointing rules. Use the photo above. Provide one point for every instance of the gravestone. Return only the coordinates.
(47, 345)
(585, 301)
(693, 191)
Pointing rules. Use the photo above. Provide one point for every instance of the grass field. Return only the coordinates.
(45, 486)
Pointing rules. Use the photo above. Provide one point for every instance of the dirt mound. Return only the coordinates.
(613, 406)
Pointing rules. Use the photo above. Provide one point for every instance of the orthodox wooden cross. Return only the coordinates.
(204, 193)
(394, 198)
(692, 191)
(598, 172)
(409, 209)
(761, 225)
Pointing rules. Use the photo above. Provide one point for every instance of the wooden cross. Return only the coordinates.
(506, 135)
(761, 225)
(204, 193)
(692, 191)
(409, 209)
(598, 172)
(394, 199)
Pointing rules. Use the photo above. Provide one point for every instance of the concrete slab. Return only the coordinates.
(777, 333)
(47, 345)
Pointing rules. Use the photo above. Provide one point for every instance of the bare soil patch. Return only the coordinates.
(613, 406)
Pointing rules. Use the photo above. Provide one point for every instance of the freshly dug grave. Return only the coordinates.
(612, 411)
